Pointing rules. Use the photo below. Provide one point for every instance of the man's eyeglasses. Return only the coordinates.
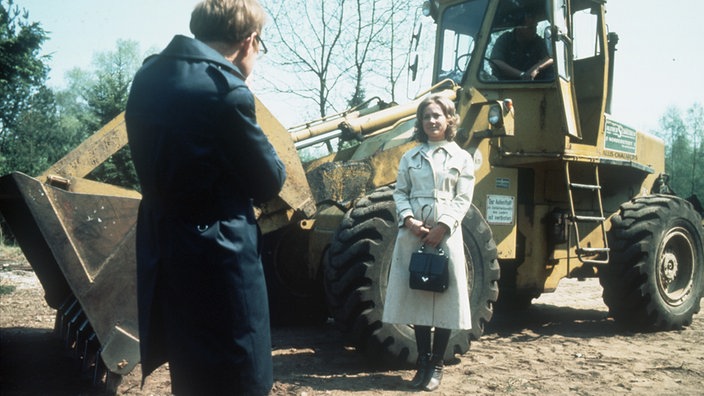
(262, 46)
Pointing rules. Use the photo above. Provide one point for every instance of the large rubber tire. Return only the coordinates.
(357, 271)
(295, 297)
(656, 273)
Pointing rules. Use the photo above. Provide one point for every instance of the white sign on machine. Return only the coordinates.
(500, 209)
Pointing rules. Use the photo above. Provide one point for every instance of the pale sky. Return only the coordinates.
(659, 61)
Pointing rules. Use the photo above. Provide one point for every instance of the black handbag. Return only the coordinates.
(429, 271)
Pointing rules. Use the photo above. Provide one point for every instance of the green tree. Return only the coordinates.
(683, 136)
(74, 113)
(35, 143)
(107, 97)
(95, 97)
(695, 122)
(22, 70)
(29, 141)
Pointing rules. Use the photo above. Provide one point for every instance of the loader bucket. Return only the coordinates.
(79, 237)
(81, 247)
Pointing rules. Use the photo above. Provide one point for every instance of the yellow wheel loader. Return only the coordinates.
(563, 190)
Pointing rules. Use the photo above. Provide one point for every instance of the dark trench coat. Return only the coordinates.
(202, 163)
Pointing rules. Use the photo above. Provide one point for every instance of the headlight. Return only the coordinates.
(495, 116)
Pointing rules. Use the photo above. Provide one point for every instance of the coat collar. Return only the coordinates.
(191, 49)
(424, 149)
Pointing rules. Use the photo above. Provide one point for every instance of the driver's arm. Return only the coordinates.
(506, 69)
(541, 65)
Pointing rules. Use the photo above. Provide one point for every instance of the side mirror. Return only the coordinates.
(547, 34)
(413, 67)
(415, 39)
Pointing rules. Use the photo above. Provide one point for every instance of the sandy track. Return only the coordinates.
(564, 344)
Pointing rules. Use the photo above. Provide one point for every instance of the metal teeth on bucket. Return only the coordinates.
(81, 342)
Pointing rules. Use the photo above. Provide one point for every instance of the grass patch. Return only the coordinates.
(7, 289)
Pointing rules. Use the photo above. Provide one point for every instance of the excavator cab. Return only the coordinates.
(486, 45)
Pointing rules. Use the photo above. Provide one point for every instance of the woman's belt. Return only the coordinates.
(433, 194)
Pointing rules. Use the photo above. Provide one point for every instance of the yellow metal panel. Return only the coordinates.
(296, 191)
(532, 273)
(495, 195)
(92, 152)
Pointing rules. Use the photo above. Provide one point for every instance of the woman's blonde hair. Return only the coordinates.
(229, 21)
(448, 109)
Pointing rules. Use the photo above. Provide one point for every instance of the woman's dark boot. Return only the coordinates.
(422, 367)
(434, 374)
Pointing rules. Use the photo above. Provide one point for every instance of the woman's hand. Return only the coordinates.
(436, 235)
(416, 227)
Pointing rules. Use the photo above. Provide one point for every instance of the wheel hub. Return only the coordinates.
(668, 268)
(676, 266)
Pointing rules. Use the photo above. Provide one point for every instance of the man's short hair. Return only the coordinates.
(230, 21)
(529, 15)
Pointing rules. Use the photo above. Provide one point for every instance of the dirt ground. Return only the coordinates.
(563, 344)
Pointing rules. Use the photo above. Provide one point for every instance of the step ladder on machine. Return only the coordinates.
(591, 254)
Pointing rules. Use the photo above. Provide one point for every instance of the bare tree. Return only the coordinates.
(307, 38)
(388, 68)
(380, 41)
(335, 53)
(366, 39)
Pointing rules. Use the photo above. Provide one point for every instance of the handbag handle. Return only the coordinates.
(424, 217)
(440, 251)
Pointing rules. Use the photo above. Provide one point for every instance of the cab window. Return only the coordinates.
(459, 28)
(519, 48)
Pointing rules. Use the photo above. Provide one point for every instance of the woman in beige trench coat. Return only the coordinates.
(433, 194)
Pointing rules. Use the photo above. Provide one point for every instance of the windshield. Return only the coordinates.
(458, 32)
(519, 47)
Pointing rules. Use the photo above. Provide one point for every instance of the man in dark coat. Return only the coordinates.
(203, 162)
